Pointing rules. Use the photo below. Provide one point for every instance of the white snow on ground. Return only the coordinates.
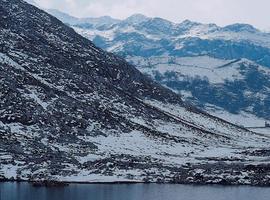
(207, 123)
(204, 67)
(258, 38)
(91, 33)
(196, 149)
(216, 70)
(87, 176)
(185, 94)
(7, 60)
(117, 47)
(242, 119)
(89, 158)
(33, 94)
(199, 61)
(19, 130)
(10, 171)
(261, 130)
(138, 144)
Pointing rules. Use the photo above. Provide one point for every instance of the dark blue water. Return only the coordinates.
(24, 191)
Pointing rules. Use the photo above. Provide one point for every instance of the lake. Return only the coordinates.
(25, 191)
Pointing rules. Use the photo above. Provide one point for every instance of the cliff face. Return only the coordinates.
(70, 111)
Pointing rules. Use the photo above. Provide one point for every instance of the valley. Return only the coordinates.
(72, 112)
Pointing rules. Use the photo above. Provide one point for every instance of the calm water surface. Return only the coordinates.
(24, 191)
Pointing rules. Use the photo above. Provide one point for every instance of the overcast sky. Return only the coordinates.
(221, 12)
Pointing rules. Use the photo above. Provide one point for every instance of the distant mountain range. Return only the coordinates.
(156, 37)
(224, 70)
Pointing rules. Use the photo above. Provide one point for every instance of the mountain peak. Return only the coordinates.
(64, 17)
(100, 21)
(188, 22)
(240, 27)
(136, 18)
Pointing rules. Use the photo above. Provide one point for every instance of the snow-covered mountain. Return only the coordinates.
(188, 58)
(72, 112)
(155, 37)
(83, 22)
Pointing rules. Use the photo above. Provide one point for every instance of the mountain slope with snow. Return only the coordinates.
(225, 88)
(73, 112)
(188, 58)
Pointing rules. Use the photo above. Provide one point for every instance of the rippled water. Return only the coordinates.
(25, 191)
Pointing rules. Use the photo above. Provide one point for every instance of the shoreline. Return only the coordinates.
(68, 183)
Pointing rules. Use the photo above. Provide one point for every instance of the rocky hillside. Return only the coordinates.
(70, 111)
(188, 58)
